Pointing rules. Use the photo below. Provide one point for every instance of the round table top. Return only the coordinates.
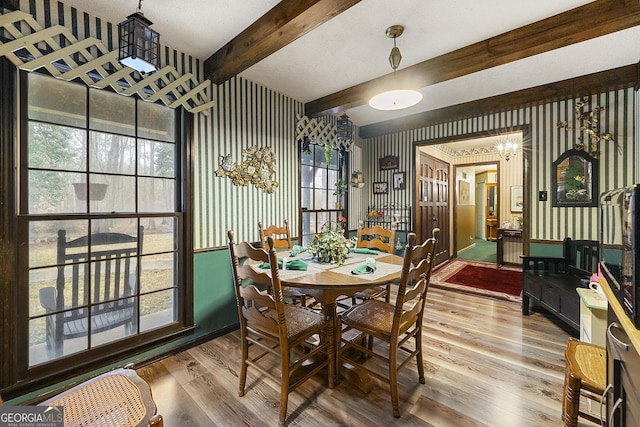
(322, 275)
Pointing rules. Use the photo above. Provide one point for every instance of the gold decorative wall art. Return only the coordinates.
(258, 169)
(588, 123)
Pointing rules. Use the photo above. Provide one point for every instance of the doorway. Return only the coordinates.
(487, 205)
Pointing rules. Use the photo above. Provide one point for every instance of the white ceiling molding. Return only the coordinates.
(319, 132)
(35, 47)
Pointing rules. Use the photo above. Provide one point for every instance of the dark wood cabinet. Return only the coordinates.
(509, 246)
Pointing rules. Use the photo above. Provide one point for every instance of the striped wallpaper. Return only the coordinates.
(247, 114)
(547, 142)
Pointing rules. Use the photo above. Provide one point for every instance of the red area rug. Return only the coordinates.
(480, 279)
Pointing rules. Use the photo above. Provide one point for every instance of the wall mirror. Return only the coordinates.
(575, 180)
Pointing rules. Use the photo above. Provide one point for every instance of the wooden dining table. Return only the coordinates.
(327, 282)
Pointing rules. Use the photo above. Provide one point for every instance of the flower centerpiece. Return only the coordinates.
(330, 245)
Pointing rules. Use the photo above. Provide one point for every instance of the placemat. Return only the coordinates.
(382, 269)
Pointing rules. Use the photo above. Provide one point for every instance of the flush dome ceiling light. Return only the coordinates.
(399, 98)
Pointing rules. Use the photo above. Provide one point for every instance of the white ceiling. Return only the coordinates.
(353, 48)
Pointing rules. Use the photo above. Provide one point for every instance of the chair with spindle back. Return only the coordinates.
(378, 238)
(281, 237)
(394, 325)
(104, 278)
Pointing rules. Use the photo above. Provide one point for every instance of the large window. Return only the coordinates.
(100, 206)
(318, 203)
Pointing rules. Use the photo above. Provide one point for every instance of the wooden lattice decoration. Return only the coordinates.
(31, 47)
(319, 132)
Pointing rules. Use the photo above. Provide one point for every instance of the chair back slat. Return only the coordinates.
(251, 301)
(281, 235)
(376, 237)
(414, 281)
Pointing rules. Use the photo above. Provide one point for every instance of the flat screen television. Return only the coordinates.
(619, 245)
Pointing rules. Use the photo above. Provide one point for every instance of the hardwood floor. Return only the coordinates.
(486, 365)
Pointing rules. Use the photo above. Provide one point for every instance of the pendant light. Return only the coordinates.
(139, 46)
(399, 98)
(345, 128)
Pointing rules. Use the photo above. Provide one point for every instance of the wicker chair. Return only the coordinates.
(119, 398)
(270, 327)
(380, 238)
(281, 240)
(394, 324)
(585, 375)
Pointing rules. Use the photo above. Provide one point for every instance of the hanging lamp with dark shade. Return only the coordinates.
(345, 128)
(139, 45)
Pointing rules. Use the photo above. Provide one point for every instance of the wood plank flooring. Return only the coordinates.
(486, 365)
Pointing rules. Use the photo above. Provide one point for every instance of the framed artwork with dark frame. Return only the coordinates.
(574, 176)
(380, 187)
(389, 162)
(398, 181)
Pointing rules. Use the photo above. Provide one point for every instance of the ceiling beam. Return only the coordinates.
(603, 81)
(592, 20)
(286, 22)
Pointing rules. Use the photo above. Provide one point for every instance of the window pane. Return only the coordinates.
(115, 225)
(57, 101)
(156, 121)
(307, 159)
(320, 199)
(112, 154)
(43, 239)
(305, 202)
(156, 159)
(318, 157)
(307, 176)
(157, 309)
(120, 195)
(53, 192)
(156, 195)
(57, 147)
(158, 272)
(159, 235)
(111, 112)
(49, 348)
(332, 178)
(103, 316)
(320, 178)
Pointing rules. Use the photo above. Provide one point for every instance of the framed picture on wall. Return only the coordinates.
(389, 162)
(574, 178)
(398, 181)
(464, 195)
(516, 198)
(380, 187)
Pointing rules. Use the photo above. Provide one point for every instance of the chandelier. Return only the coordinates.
(508, 149)
(139, 46)
(399, 98)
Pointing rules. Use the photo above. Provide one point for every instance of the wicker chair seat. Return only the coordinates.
(585, 375)
(300, 320)
(371, 293)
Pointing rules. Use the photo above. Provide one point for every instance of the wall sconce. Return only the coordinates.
(139, 46)
(258, 169)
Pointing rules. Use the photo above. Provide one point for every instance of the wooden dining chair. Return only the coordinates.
(270, 327)
(380, 238)
(281, 240)
(393, 324)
